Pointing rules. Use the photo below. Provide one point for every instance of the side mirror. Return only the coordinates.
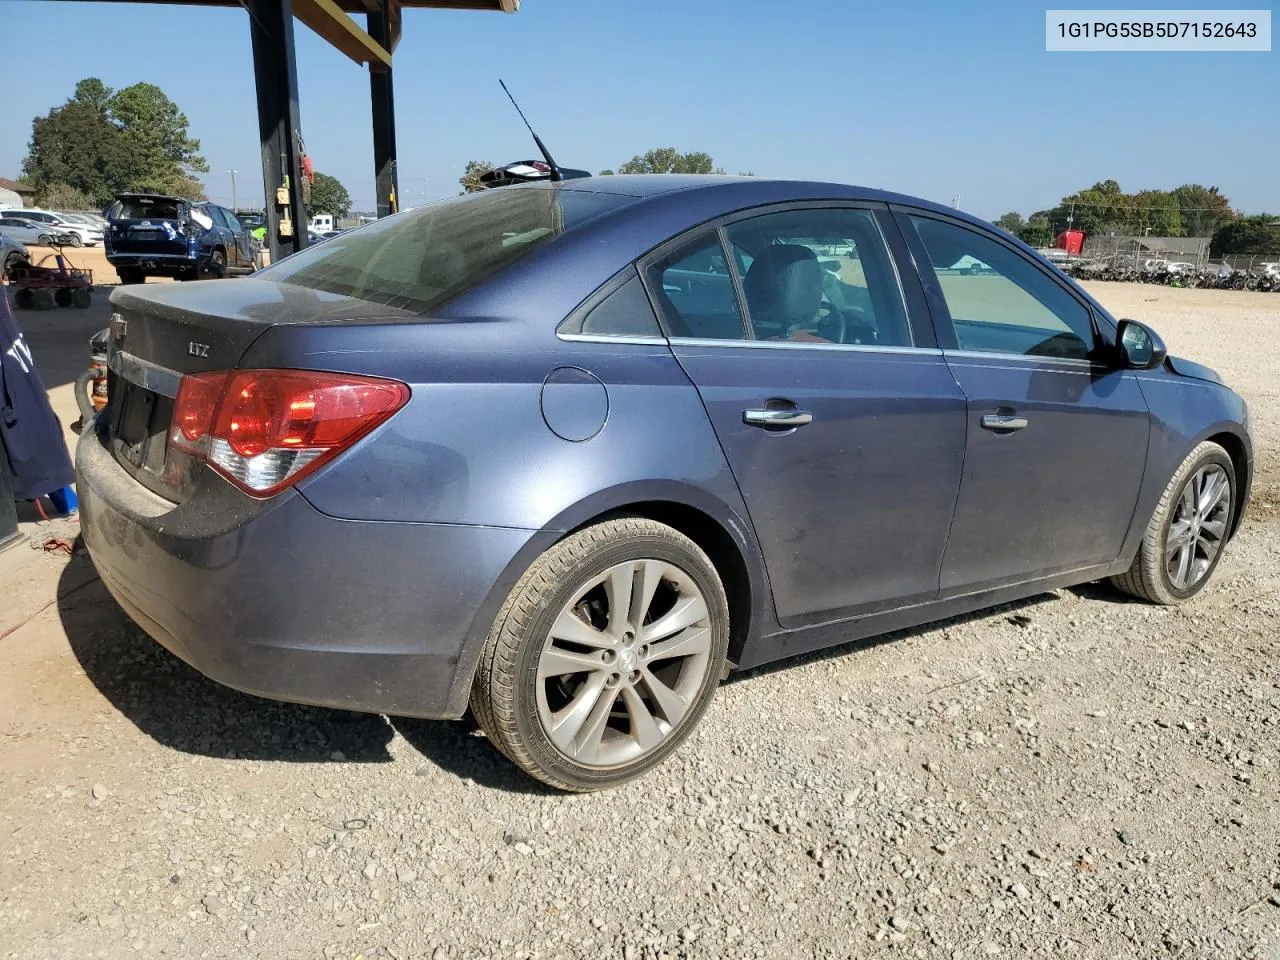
(1139, 346)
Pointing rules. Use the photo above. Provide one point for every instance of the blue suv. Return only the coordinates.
(152, 235)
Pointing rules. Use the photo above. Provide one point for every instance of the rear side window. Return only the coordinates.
(819, 275)
(625, 312)
(694, 290)
(424, 257)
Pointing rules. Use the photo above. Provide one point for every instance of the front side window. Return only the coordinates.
(819, 276)
(419, 259)
(999, 301)
(694, 291)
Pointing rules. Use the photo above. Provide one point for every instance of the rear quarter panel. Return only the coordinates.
(473, 445)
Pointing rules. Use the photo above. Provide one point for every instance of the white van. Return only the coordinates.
(321, 223)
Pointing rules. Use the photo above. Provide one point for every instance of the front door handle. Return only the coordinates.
(1003, 421)
(787, 417)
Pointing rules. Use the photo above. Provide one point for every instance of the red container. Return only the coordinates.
(1071, 241)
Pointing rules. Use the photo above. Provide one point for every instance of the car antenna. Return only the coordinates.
(542, 147)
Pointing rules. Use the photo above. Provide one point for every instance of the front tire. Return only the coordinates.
(1185, 536)
(605, 655)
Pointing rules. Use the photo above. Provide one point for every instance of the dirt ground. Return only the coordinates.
(84, 258)
(1076, 775)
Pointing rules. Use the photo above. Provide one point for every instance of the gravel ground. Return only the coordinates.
(1075, 775)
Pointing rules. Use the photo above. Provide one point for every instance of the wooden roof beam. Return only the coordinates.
(328, 20)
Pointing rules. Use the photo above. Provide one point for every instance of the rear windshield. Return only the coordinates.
(142, 208)
(421, 258)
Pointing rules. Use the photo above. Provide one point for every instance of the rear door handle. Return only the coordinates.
(777, 418)
(1003, 421)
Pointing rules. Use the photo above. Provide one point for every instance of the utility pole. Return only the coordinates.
(235, 205)
(955, 202)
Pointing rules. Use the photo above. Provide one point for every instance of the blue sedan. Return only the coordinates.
(567, 453)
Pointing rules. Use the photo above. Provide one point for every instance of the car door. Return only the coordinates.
(1057, 433)
(225, 235)
(17, 230)
(840, 420)
(240, 238)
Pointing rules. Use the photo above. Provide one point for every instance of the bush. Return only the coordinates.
(59, 196)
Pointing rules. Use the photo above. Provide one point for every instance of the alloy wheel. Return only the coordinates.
(1198, 527)
(623, 663)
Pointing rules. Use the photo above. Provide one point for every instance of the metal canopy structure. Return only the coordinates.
(276, 79)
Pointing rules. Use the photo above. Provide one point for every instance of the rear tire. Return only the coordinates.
(82, 298)
(62, 297)
(1150, 577)
(216, 268)
(24, 299)
(77, 240)
(130, 275)
(633, 691)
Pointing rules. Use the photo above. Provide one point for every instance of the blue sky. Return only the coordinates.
(929, 98)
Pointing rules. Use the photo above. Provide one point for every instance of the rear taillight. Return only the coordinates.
(266, 429)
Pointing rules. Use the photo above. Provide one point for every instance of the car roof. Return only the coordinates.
(153, 196)
(643, 186)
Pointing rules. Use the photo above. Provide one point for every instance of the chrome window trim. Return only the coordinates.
(1026, 358)
(144, 373)
(788, 345)
(605, 338)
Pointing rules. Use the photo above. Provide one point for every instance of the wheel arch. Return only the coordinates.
(1238, 450)
(716, 527)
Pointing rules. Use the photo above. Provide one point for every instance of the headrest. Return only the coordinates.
(784, 284)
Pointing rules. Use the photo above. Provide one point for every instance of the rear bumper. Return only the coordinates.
(157, 264)
(295, 605)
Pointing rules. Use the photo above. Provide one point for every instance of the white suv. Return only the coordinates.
(83, 234)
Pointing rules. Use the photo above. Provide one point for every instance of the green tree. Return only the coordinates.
(329, 196)
(93, 93)
(1155, 212)
(1038, 231)
(102, 142)
(79, 147)
(605, 173)
(157, 133)
(1247, 236)
(1011, 222)
(670, 160)
(1102, 208)
(470, 179)
(1202, 209)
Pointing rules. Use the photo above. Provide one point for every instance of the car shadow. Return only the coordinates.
(1017, 612)
(458, 747)
(180, 708)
